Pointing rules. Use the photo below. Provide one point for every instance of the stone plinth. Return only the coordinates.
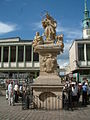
(47, 91)
(48, 47)
(47, 88)
(48, 97)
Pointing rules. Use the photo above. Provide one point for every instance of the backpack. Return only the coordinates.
(84, 88)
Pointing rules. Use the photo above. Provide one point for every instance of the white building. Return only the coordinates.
(79, 52)
(79, 55)
(17, 59)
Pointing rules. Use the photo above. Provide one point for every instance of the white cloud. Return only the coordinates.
(63, 59)
(60, 29)
(70, 33)
(6, 28)
(37, 26)
(74, 34)
(62, 63)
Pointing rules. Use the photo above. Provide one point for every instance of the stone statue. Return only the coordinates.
(38, 40)
(60, 41)
(48, 46)
(48, 63)
(49, 24)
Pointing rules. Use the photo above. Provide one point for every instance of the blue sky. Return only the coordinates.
(23, 18)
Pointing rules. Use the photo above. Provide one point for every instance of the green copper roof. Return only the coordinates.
(86, 12)
(86, 5)
(86, 21)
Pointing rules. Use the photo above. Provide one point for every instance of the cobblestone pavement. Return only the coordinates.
(16, 113)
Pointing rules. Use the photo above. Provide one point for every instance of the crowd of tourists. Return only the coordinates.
(15, 91)
(74, 93)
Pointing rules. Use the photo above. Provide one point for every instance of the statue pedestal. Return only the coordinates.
(47, 91)
(47, 88)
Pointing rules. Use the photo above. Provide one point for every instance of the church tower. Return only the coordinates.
(86, 23)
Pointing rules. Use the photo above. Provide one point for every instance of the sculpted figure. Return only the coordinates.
(48, 63)
(43, 63)
(60, 41)
(37, 40)
(49, 24)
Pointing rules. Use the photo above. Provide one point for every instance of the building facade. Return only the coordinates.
(79, 52)
(17, 59)
(79, 55)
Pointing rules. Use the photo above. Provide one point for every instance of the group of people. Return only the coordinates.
(12, 93)
(72, 92)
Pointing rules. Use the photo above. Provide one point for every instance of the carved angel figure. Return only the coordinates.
(60, 41)
(37, 40)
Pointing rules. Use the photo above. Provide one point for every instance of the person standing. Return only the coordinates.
(24, 97)
(84, 94)
(74, 95)
(10, 92)
(89, 93)
(16, 92)
(70, 104)
(7, 90)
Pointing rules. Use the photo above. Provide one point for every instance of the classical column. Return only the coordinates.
(85, 54)
(32, 57)
(2, 56)
(35, 74)
(16, 56)
(24, 56)
(9, 55)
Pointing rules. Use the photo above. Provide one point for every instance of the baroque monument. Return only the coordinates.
(47, 88)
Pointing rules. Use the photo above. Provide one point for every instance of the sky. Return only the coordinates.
(22, 18)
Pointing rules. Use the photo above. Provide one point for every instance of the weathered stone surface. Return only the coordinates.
(48, 80)
(47, 88)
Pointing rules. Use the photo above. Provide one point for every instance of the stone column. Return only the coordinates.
(24, 56)
(16, 56)
(47, 87)
(35, 74)
(9, 55)
(2, 56)
(85, 54)
(32, 57)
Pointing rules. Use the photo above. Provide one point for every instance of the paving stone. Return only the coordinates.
(16, 113)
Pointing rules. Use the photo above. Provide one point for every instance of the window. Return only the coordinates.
(28, 53)
(13, 54)
(88, 32)
(20, 53)
(36, 57)
(88, 51)
(81, 52)
(5, 54)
